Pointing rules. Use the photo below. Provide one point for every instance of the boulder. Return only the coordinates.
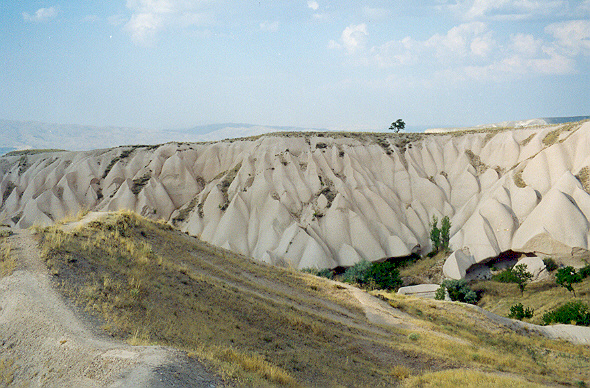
(422, 290)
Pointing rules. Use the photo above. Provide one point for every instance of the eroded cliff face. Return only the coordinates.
(329, 199)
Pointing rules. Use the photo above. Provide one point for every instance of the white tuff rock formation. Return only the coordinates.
(329, 199)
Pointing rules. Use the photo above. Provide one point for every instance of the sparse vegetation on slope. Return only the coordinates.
(489, 347)
(150, 284)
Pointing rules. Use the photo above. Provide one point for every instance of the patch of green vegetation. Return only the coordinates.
(489, 347)
(458, 290)
(575, 312)
(378, 275)
(440, 237)
(518, 311)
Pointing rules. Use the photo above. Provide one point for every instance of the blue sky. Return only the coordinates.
(316, 64)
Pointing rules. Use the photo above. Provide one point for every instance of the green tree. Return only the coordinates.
(435, 234)
(445, 233)
(397, 126)
(566, 277)
(522, 276)
(385, 275)
(518, 311)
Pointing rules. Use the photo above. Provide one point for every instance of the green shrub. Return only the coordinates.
(574, 312)
(566, 277)
(518, 311)
(385, 275)
(440, 294)
(550, 264)
(584, 271)
(357, 273)
(459, 291)
(325, 272)
(506, 276)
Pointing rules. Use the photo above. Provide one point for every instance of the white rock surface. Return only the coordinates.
(535, 266)
(420, 290)
(322, 200)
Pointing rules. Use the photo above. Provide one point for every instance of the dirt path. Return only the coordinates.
(43, 343)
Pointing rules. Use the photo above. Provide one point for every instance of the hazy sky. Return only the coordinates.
(324, 64)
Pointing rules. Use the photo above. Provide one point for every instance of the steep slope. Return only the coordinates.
(155, 284)
(329, 199)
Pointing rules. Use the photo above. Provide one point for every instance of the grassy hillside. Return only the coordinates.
(149, 284)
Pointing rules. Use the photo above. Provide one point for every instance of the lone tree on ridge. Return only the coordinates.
(397, 126)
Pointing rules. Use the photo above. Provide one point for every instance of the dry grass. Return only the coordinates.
(260, 324)
(268, 326)
(7, 262)
(466, 378)
(542, 296)
(518, 180)
(7, 369)
(584, 177)
(425, 270)
(488, 347)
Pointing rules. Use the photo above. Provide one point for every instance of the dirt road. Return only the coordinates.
(45, 343)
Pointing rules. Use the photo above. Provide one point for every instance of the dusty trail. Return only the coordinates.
(43, 342)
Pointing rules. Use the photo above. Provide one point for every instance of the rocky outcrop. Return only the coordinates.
(330, 199)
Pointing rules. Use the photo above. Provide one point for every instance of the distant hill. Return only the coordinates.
(19, 135)
(515, 124)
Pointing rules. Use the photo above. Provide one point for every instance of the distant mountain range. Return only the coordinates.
(19, 135)
(517, 124)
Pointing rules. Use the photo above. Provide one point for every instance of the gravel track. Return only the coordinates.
(45, 343)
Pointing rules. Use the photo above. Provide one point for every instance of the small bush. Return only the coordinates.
(440, 293)
(385, 275)
(459, 291)
(324, 273)
(550, 264)
(357, 273)
(574, 312)
(506, 276)
(584, 271)
(518, 311)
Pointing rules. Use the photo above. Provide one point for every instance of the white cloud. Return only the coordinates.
(269, 26)
(572, 36)
(526, 44)
(353, 39)
(149, 17)
(41, 15)
(462, 40)
(471, 51)
(143, 27)
(507, 10)
(313, 5)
